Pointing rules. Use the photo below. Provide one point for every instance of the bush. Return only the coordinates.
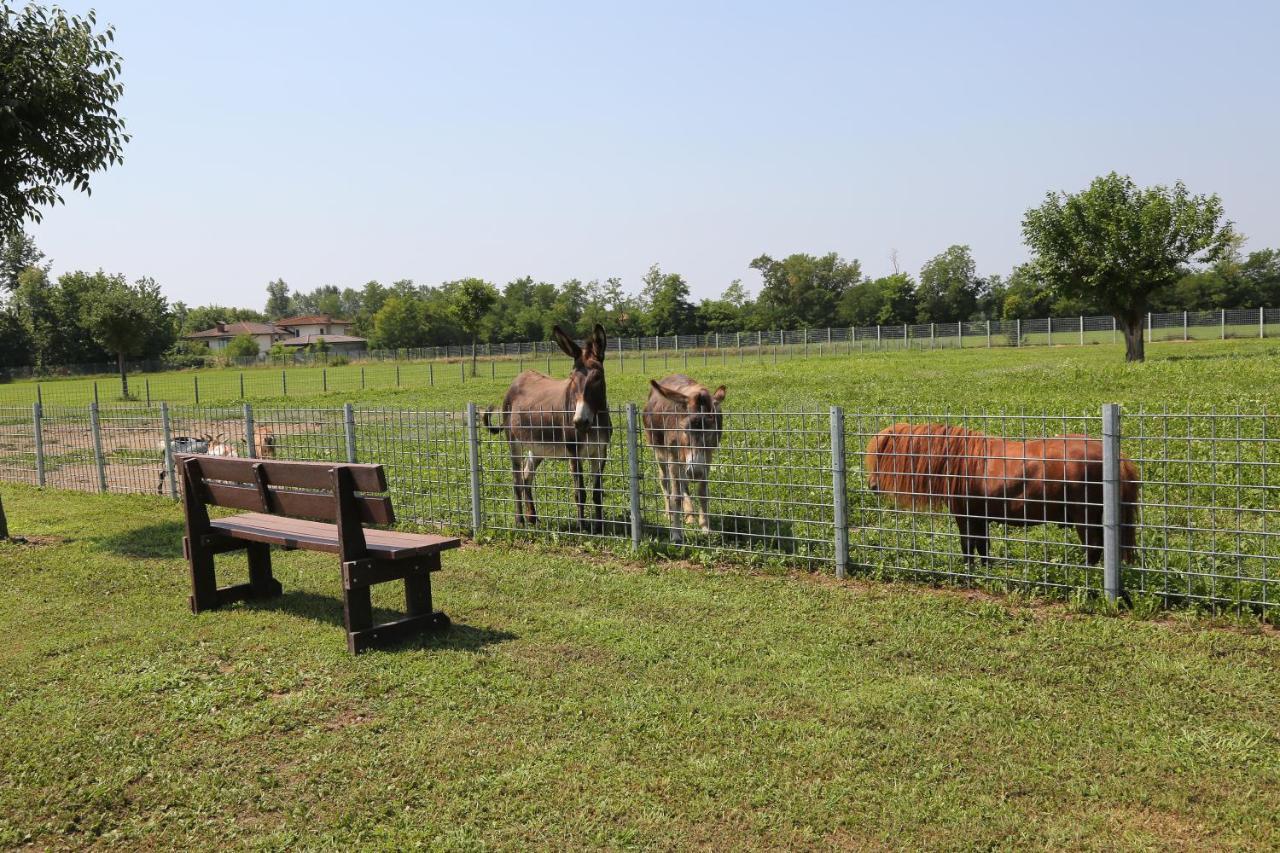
(339, 361)
(242, 346)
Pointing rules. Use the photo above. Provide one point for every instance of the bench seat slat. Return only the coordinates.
(316, 536)
(313, 505)
(297, 475)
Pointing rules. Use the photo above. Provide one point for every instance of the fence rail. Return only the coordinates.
(790, 487)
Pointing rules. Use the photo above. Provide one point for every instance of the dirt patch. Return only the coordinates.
(32, 541)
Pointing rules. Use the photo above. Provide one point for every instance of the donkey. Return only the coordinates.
(683, 424)
(553, 418)
(212, 445)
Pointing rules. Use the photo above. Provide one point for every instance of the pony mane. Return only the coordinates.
(923, 465)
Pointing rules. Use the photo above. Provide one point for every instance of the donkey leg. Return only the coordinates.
(579, 490)
(531, 464)
(704, 516)
(669, 495)
(517, 485)
(597, 488)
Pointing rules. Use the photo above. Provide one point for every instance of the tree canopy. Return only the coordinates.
(59, 84)
(127, 319)
(1117, 244)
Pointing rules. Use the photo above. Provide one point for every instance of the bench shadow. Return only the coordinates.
(328, 609)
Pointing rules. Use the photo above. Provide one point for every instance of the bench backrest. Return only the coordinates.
(310, 490)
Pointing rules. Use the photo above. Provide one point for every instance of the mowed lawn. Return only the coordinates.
(585, 700)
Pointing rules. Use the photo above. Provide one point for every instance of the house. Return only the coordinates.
(323, 325)
(291, 332)
(336, 344)
(220, 335)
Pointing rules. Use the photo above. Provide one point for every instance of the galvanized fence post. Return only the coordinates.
(168, 449)
(98, 459)
(633, 474)
(37, 415)
(1262, 322)
(1111, 509)
(839, 491)
(473, 457)
(349, 430)
(195, 382)
(250, 445)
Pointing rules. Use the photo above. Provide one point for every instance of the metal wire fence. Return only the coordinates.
(995, 499)
(429, 367)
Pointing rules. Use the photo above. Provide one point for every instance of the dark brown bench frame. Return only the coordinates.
(313, 506)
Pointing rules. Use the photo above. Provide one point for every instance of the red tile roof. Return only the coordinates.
(303, 340)
(230, 330)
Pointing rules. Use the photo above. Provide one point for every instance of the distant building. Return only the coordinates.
(291, 332)
(220, 335)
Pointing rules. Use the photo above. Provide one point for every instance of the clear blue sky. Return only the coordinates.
(334, 143)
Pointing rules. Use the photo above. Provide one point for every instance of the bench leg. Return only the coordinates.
(417, 593)
(261, 581)
(357, 614)
(419, 617)
(204, 583)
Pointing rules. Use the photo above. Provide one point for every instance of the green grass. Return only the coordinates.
(1039, 378)
(587, 701)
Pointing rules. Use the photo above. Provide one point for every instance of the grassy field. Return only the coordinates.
(584, 700)
(1177, 373)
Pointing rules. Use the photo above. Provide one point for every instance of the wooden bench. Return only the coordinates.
(313, 506)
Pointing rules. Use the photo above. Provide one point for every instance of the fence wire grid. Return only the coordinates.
(796, 488)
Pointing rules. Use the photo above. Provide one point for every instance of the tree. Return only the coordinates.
(278, 301)
(125, 319)
(59, 83)
(469, 301)
(949, 287)
(666, 295)
(1117, 244)
(243, 346)
(18, 252)
(805, 290)
(398, 323)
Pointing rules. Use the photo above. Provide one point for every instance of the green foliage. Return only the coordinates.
(666, 296)
(1117, 244)
(59, 83)
(949, 287)
(803, 290)
(243, 346)
(398, 324)
(127, 320)
(202, 317)
(888, 300)
(18, 252)
(278, 302)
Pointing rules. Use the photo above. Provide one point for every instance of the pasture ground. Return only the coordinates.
(587, 700)
(1039, 379)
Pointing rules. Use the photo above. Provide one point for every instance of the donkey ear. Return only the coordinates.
(671, 394)
(598, 338)
(718, 396)
(567, 344)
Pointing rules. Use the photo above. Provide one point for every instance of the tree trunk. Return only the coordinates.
(4, 523)
(124, 378)
(1134, 342)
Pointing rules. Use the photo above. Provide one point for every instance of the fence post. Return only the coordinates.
(40, 393)
(1113, 330)
(349, 430)
(242, 385)
(362, 386)
(1262, 323)
(168, 449)
(431, 374)
(1017, 332)
(840, 518)
(1050, 331)
(250, 446)
(633, 474)
(1184, 327)
(397, 375)
(1150, 337)
(98, 458)
(195, 383)
(37, 415)
(877, 336)
(473, 457)
(1111, 510)
(960, 333)
(988, 334)
(1223, 321)
(95, 393)
(147, 383)
(1081, 330)
(324, 379)
(284, 382)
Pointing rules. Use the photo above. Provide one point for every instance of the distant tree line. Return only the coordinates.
(45, 322)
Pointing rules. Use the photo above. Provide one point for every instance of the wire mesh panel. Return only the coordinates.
(297, 434)
(69, 457)
(536, 451)
(750, 483)
(425, 457)
(1209, 509)
(976, 498)
(17, 444)
(132, 442)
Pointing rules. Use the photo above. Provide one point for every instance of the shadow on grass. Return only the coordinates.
(328, 609)
(163, 539)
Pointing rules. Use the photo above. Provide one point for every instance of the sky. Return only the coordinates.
(329, 143)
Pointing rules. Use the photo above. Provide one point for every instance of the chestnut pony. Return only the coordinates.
(983, 478)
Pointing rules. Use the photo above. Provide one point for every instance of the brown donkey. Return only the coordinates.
(683, 424)
(549, 418)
